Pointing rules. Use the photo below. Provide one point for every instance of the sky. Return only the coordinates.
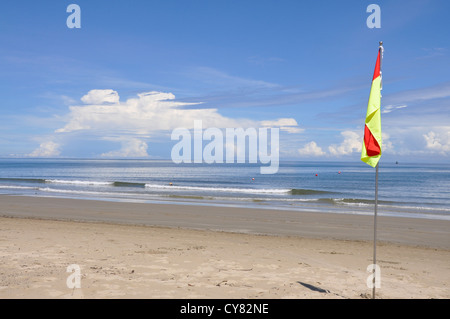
(134, 71)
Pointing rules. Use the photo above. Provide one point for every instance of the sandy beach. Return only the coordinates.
(141, 250)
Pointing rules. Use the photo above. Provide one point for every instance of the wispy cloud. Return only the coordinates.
(390, 108)
(262, 61)
(72, 72)
(441, 90)
(431, 53)
(274, 96)
(217, 78)
(289, 125)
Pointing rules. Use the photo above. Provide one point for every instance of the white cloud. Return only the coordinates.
(386, 143)
(46, 149)
(352, 143)
(100, 97)
(439, 142)
(150, 112)
(390, 108)
(147, 115)
(291, 129)
(132, 147)
(289, 125)
(311, 149)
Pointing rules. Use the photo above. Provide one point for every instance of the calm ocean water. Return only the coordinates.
(405, 190)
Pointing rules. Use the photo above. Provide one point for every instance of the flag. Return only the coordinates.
(371, 148)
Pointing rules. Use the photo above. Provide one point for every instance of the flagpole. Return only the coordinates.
(375, 233)
(376, 202)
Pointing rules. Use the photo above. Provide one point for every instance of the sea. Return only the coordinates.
(404, 190)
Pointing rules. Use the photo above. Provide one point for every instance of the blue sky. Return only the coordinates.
(303, 66)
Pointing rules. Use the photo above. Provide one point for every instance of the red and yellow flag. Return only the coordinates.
(371, 148)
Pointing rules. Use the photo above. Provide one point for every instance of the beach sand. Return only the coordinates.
(141, 250)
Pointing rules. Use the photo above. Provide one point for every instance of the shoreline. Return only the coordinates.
(400, 230)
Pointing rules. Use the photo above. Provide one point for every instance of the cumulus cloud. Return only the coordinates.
(46, 149)
(352, 143)
(439, 142)
(149, 112)
(386, 143)
(100, 97)
(311, 149)
(105, 116)
(132, 147)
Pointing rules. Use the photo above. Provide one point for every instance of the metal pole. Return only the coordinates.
(376, 202)
(375, 233)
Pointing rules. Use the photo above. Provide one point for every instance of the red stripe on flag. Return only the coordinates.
(376, 73)
(372, 146)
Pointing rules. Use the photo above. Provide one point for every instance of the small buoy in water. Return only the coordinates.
(253, 179)
(317, 175)
(339, 172)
